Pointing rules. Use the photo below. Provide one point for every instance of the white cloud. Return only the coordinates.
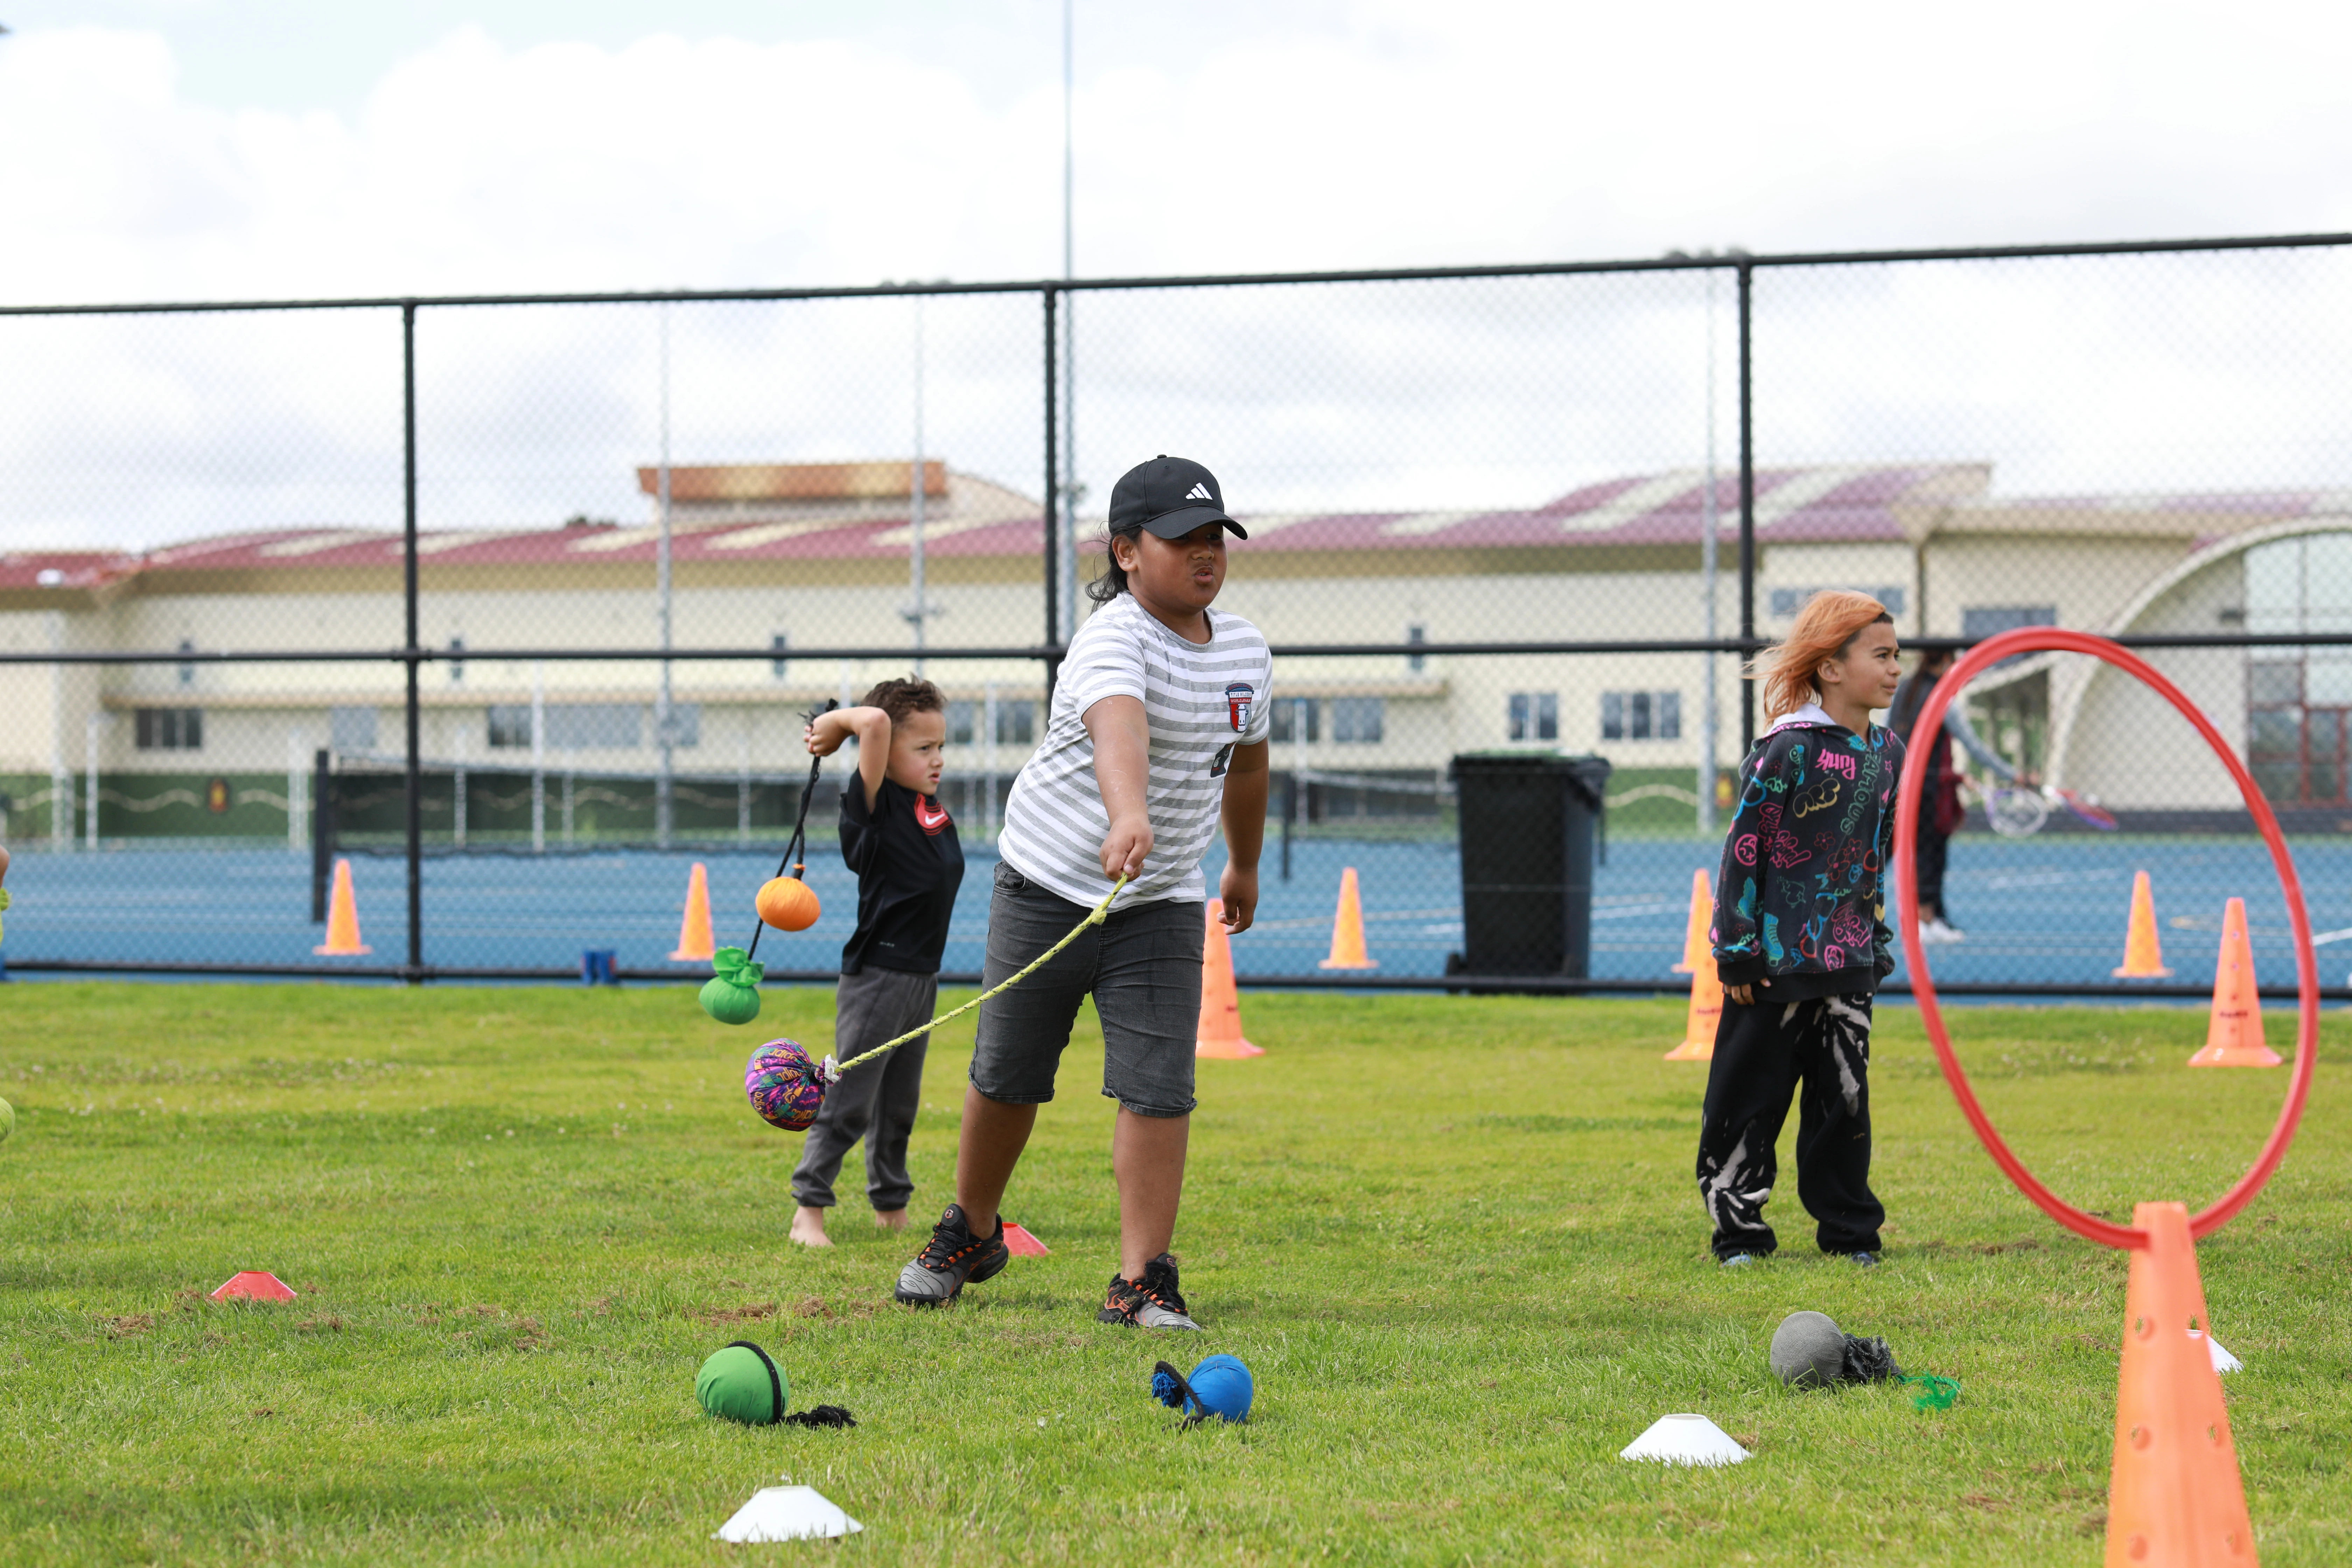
(1382, 134)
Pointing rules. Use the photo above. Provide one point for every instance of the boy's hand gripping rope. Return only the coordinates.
(829, 1071)
(798, 846)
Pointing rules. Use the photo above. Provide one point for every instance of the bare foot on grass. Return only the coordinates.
(808, 1227)
(890, 1219)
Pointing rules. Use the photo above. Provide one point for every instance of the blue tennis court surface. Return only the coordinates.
(2049, 908)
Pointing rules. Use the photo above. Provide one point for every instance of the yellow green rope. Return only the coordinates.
(832, 1070)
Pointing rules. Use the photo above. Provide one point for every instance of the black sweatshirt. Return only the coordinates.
(910, 864)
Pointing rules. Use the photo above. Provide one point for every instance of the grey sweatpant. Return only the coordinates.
(877, 1102)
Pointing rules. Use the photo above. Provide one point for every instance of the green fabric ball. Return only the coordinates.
(732, 994)
(743, 1383)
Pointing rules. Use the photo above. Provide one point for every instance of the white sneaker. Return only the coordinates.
(1935, 931)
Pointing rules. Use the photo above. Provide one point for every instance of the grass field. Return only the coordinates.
(1457, 1239)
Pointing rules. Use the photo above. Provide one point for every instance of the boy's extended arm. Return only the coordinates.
(1246, 778)
(1122, 737)
(826, 732)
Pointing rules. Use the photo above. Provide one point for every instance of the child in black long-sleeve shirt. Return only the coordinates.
(1800, 936)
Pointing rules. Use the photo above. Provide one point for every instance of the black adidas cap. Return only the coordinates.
(1169, 496)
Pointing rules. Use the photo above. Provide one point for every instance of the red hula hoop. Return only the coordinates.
(1974, 662)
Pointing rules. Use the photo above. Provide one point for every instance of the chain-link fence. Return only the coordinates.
(516, 605)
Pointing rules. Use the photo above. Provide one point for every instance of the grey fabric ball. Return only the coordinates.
(1808, 1350)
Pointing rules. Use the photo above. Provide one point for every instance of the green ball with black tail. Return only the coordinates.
(732, 994)
(744, 1383)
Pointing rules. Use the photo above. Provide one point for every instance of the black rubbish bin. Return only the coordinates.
(1529, 826)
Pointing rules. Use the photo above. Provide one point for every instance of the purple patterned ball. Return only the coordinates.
(784, 1086)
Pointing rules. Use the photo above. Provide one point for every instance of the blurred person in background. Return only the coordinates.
(1940, 812)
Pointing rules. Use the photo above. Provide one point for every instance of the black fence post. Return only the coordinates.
(323, 830)
(1289, 817)
(1747, 501)
(414, 804)
(1054, 633)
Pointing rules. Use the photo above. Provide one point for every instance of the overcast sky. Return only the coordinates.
(176, 149)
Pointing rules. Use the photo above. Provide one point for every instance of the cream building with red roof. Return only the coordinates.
(791, 558)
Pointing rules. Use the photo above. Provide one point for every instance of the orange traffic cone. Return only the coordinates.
(342, 919)
(2174, 1496)
(694, 930)
(1706, 1011)
(1021, 1243)
(2143, 954)
(1221, 999)
(1697, 949)
(1348, 928)
(2234, 1036)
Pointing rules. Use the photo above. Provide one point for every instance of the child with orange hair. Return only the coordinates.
(1800, 936)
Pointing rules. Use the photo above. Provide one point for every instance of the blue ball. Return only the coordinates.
(1221, 1386)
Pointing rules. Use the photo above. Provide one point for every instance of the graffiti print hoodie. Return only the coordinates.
(1800, 904)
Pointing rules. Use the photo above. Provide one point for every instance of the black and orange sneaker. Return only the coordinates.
(1150, 1302)
(952, 1259)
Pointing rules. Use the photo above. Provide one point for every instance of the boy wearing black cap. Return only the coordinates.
(1158, 729)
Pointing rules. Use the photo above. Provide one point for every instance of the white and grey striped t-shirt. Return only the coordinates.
(1201, 699)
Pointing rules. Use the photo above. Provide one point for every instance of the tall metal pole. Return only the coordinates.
(412, 805)
(90, 724)
(1708, 714)
(1747, 498)
(61, 798)
(920, 610)
(1066, 537)
(663, 737)
(538, 756)
(1052, 542)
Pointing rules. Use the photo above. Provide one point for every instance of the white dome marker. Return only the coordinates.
(2222, 1360)
(786, 1513)
(1686, 1441)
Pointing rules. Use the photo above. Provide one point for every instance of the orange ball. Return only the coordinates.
(788, 903)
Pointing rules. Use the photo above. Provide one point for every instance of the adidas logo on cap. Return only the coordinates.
(1199, 492)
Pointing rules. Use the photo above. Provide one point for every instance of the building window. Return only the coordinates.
(1990, 620)
(2299, 700)
(169, 729)
(1355, 721)
(594, 726)
(1533, 716)
(1016, 723)
(1416, 635)
(187, 671)
(1787, 602)
(685, 724)
(351, 729)
(1292, 713)
(963, 722)
(509, 726)
(1980, 621)
(1641, 715)
(777, 665)
(457, 666)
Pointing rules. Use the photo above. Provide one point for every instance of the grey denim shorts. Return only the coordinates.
(1142, 965)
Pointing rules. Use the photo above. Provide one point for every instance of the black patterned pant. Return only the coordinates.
(1762, 1055)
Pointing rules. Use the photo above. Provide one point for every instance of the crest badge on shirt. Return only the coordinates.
(1238, 697)
(929, 815)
